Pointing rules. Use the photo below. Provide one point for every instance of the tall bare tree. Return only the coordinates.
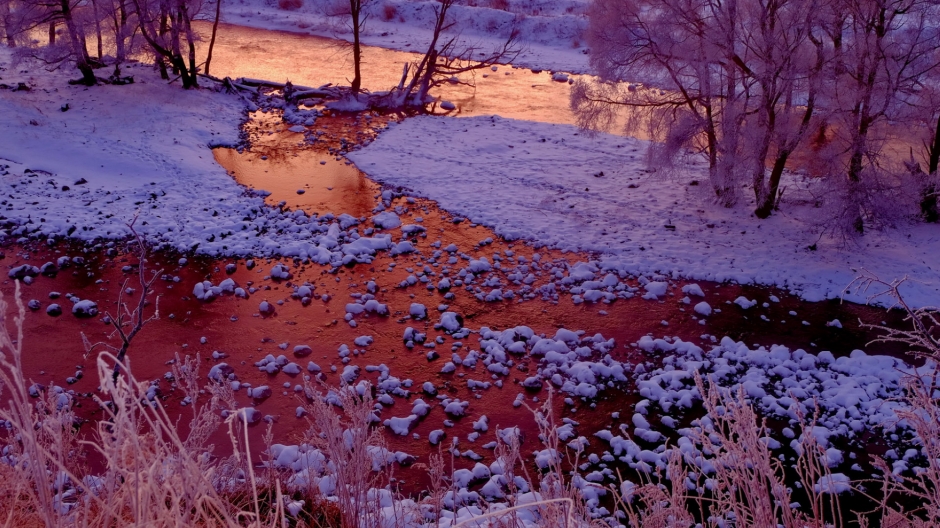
(357, 22)
(215, 30)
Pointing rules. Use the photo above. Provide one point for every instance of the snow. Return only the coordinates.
(435, 436)
(420, 408)
(400, 426)
(386, 220)
(654, 290)
(144, 142)
(745, 303)
(85, 308)
(302, 350)
(350, 373)
(834, 484)
(544, 189)
(418, 311)
(449, 322)
(855, 392)
(220, 371)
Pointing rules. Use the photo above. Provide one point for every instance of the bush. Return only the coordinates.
(389, 11)
(290, 5)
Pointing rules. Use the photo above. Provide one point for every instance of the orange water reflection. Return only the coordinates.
(313, 61)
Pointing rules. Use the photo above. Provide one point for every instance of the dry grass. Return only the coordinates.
(290, 5)
(732, 478)
(389, 12)
(154, 477)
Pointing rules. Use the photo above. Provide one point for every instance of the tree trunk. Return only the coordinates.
(935, 150)
(94, 10)
(52, 33)
(928, 204)
(856, 166)
(6, 20)
(768, 197)
(120, 32)
(429, 71)
(176, 57)
(76, 40)
(193, 71)
(354, 8)
(161, 65)
(159, 57)
(760, 160)
(711, 137)
(84, 41)
(215, 28)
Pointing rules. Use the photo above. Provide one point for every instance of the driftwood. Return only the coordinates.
(323, 91)
(229, 84)
(293, 93)
(261, 83)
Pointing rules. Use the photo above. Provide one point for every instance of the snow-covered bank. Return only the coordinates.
(551, 32)
(81, 162)
(556, 186)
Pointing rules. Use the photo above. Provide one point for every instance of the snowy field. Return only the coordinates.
(551, 33)
(559, 187)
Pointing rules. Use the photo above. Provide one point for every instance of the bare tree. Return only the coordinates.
(357, 22)
(445, 59)
(96, 17)
(692, 94)
(122, 25)
(215, 29)
(883, 49)
(128, 322)
(7, 23)
(166, 25)
(785, 54)
(921, 113)
(76, 35)
(738, 81)
(24, 16)
(744, 82)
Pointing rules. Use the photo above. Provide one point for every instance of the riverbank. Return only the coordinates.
(563, 188)
(81, 163)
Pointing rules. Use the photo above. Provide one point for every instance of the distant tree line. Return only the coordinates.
(159, 28)
(848, 88)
